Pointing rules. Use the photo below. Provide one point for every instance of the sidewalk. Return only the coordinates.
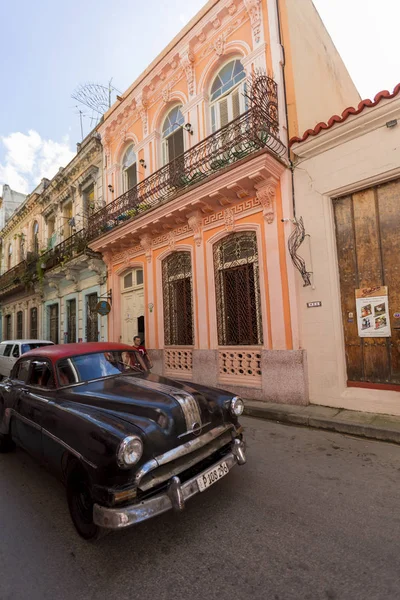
(369, 425)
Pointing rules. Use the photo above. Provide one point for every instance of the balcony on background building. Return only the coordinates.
(30, 272)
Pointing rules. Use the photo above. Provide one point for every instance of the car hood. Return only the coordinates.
(146, 400)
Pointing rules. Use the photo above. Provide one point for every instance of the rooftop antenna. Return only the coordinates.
(95, 96)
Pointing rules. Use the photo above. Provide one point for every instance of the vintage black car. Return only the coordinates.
(128, 444)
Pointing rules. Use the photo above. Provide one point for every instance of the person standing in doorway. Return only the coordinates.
(137, 345)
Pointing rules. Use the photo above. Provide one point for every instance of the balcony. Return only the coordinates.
(31, 271)
(254, 130)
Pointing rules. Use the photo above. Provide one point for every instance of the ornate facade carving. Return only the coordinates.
(266, 195)
(253, 7)
(219, 44)
(187, 62)
(232, 8)
(165, 94)
(171, 240)
(147, 243)
(229, 219)
(142, 104)
(195, 221)
(55, 285)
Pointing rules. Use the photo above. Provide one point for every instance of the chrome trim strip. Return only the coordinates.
(69, 448)
(169, 471)
(182, 450)
(175, 497)
(10, 411)
(26, 420)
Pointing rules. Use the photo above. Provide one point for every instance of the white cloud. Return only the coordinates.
(29, 158)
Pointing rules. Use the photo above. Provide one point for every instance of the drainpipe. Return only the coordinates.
(286, 108)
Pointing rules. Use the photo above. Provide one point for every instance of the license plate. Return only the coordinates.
(212, 476)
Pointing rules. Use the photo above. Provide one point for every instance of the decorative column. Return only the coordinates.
(195, 222)
(150, 315)
(266, 194)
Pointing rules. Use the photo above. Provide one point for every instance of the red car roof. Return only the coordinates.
(54, 353)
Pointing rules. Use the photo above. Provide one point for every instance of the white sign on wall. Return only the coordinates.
(373, 312)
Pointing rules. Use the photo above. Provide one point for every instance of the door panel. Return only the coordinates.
(388, 202)
(132, 309)
(348, 283)
(368, 246)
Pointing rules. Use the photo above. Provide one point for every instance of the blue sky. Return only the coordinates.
(50, 47)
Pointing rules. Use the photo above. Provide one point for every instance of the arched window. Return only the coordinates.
(238, 290)
(35, 236)
(172, 134)
(129, 171)
(227, 98)
(177, 298)
(9, 256)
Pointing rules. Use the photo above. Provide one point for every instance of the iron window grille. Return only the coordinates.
(177, 299)
(237, 284)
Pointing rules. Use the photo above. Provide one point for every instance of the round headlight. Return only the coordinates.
(130, 451)
(237, 406)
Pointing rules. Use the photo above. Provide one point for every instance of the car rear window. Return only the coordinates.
(27, 347)
(8, 349)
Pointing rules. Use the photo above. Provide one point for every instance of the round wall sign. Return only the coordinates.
(103, 308)
(397, 315)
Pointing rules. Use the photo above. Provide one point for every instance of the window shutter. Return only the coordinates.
(223, 113)
(213, 123)
(235, 104)
(165, 152)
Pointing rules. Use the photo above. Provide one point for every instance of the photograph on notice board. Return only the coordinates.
(380, 322)
(380, 309)
(373, 312)
(366, 310)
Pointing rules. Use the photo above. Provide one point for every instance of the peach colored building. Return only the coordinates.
(198, 185)
(347, 184)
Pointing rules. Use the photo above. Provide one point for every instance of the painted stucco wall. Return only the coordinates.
(318, 83)
(351, 156)
(10, 202)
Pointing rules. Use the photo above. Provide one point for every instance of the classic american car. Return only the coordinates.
(128, 444)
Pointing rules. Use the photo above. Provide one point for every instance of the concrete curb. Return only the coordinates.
(337, 422)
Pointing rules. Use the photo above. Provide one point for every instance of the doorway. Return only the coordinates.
(368, 247)
(132, 305)
(54, 323)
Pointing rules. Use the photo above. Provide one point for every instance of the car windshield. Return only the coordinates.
(85, 367)
(32, 346)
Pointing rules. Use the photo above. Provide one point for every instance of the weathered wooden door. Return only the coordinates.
(54, 324)
(368, 245)
(92, 318)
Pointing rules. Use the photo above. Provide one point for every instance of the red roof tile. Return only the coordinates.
(345, 114)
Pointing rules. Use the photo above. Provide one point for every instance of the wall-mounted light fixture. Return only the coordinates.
(142, 162)
(110, 187)
(188, 128)
(391, 123)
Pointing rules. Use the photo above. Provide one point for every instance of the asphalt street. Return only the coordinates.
(313, 515)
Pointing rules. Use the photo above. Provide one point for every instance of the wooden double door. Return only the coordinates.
(368, 247)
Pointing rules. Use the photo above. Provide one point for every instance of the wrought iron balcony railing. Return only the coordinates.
(255, 129)
(31, 270)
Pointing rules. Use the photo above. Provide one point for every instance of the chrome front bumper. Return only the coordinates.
(174, 498)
